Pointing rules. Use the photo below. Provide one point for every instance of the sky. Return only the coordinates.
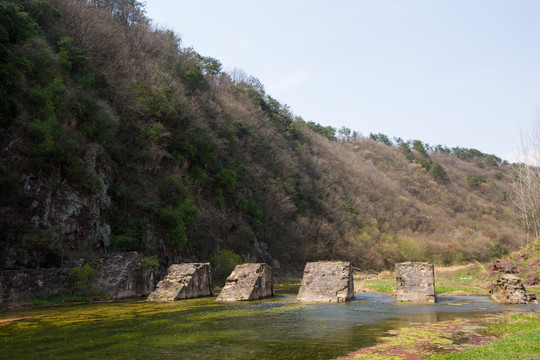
(452, 72)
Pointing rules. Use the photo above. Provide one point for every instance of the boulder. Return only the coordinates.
(184, 281)
(326, 281)
(415, 281)
(508, 289)
(248, 282)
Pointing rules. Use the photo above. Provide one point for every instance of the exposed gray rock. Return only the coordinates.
(120, 276)
(184, 281)
(248, 282)
(508, 289)
(415, 281)
(18, 285)
(326, 281)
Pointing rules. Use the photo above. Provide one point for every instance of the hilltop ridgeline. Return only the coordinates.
(117, 138)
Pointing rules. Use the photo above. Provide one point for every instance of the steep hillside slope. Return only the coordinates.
(116, 138)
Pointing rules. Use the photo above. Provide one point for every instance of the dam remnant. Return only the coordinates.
(248, 282)
(326, 281)
(184, 281)
(415, 281)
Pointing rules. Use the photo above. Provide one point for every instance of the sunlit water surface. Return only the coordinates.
(276, 328)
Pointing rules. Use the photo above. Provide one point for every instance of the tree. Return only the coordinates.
(382, 138)
(420, 147)
(526, 184)
(210, 65)
(127, 12)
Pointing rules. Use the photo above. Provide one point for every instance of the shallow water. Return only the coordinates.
(276, 328)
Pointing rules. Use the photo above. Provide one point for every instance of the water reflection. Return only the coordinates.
(275, 328)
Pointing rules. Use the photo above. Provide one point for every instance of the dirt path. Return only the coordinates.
(418, 341)
(16, 319)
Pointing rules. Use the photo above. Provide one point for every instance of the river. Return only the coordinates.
(276, 328)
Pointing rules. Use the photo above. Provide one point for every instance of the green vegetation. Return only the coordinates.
(84, 276)
(385, 285)
(520, 337)
(475, 180)
(223, 263)
(56, 299)
(456, 280)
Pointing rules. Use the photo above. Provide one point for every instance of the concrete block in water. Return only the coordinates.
(184, 281)
(248, 282)
(326, 281)
(415, 281)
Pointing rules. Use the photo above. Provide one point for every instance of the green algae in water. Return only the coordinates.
(277, 328)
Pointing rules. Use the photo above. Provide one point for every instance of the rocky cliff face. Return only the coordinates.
(58, 218)
(115, 276)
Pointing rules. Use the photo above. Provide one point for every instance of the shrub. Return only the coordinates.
(123, 243)
(497, 251)
(195, 79)
(84, 276)
(172, 190)
(149, 263)
(223, 263)
(226, 179)
(178, 221)
(475, 180)
(437, 171)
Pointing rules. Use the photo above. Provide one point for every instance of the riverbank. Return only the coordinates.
(501, 336)
(518, 337)
(457, 280)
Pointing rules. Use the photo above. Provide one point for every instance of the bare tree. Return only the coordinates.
(526, 185)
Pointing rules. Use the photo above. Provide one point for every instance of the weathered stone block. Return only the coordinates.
(326, 281)
(415, 281)
(184, 281)
(248, 282)
(508, 289)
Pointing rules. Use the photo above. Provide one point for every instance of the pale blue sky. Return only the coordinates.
(454, 72)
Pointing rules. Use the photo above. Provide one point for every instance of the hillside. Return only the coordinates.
(117, 138)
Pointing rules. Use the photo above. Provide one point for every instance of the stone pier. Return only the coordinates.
(184, 281)
(415, 281)
(326, 281)
(248, 282)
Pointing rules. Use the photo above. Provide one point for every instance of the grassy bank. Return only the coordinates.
(457, 280)
(519, 339)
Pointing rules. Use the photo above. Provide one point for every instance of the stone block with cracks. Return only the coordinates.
(248, 282)
(415, 281)
(184, 281)
(326, 281)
